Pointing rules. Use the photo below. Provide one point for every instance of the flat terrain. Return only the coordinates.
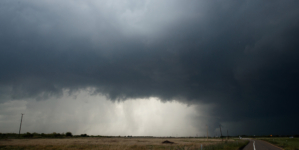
(112, 143)
(260, 145)
(284, 142)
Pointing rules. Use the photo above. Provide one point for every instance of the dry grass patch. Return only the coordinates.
(106, 143)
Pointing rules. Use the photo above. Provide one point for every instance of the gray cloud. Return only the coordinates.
(240, 57)
(95, 115)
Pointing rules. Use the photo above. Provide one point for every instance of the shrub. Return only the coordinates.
(57, 135)
(27, 135)
(69, 134)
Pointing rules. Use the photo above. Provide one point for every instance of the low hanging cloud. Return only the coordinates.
(83, 113)
(239, 57)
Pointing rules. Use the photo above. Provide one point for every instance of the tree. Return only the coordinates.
(69, 134)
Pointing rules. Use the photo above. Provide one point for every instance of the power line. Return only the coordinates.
(221, 132)
(207, 132)
(227, 135)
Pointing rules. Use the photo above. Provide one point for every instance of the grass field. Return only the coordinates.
(285, 143)
(121, 144)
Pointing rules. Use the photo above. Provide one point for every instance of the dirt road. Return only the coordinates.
(260, 145)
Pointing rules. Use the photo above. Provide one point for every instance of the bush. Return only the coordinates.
(69, 134)
(57, 135)
(27, 135)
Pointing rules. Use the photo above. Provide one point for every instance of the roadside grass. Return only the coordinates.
(285, 143)
(235, 145)
(231, 145)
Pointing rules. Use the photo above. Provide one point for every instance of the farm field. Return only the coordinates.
(285, 143)
(120, 143)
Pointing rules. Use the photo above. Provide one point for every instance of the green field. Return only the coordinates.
(232, 145)
(285, 143)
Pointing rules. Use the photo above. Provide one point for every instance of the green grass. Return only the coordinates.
(232, 145)
(285, 143)
(236, 145)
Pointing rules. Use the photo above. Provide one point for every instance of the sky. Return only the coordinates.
(149, 67)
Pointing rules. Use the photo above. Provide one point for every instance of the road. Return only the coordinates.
(260, 145)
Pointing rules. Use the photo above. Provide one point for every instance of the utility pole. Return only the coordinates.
(221, 133)
(21, 125)
(207, 132)
(227, 135)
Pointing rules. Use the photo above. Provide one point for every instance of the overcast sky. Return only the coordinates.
(149, 67)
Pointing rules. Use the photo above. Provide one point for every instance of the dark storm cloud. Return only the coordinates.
(240, 56)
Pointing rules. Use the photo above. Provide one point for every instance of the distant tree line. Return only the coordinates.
(296, 135)
(69, 134)
(36, 135)
(43, 135)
